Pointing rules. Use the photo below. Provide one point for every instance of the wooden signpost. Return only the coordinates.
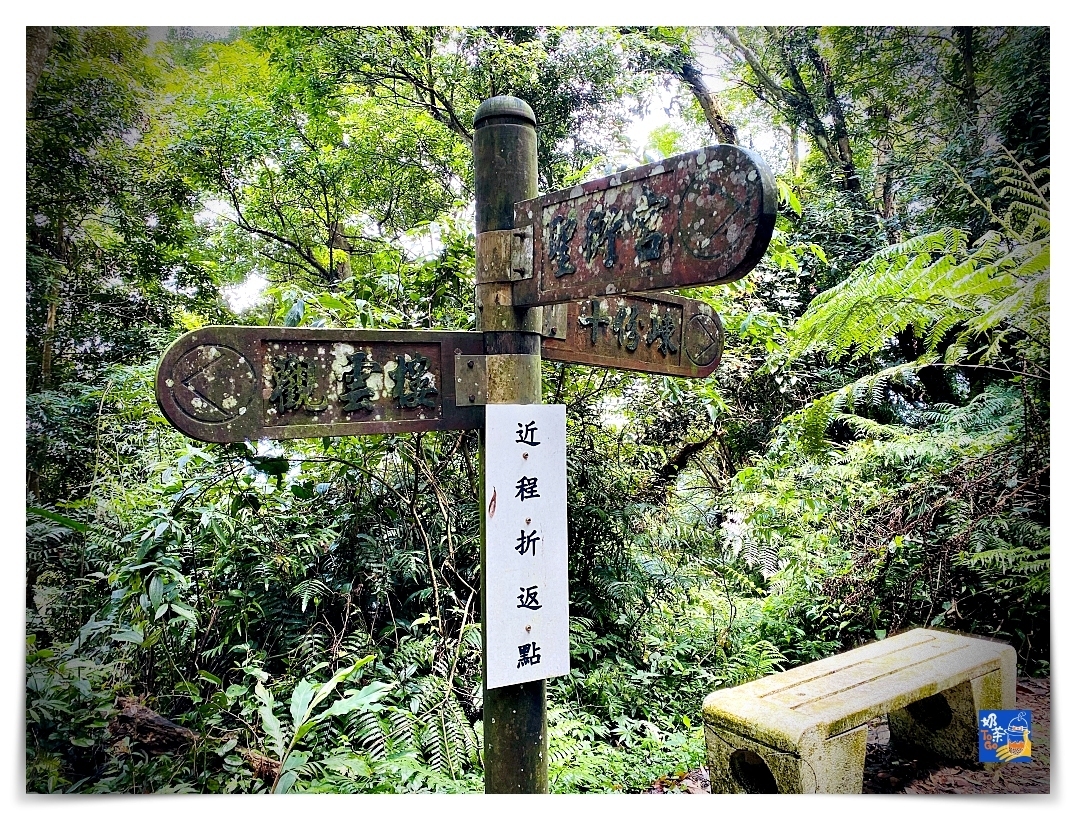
(568, 276)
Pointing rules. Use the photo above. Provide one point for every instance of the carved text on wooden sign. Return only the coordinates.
(654, 333)
(701, 217)
(236, 383)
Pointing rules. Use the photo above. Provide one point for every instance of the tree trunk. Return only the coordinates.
(969, 95)
(48, 342)
(341, 264)
(50, 333)
(711, 107)
(883, 174)
(794, 150)
(39, 42)
(850, 175)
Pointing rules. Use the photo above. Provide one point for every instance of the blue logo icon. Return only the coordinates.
(1004, 735)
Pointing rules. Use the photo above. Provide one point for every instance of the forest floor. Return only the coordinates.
(886, 772)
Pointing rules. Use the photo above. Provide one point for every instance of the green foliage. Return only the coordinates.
(111, 250)
(984, 306)
(282, 738)
(938, 526)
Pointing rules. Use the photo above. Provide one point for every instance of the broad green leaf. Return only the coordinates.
(367, 696)
(263, 694)
(327, 300)
(70, 523)
(329, 686)
(271, 726)
(294, 761)
(295, 315)
(300, 701)
(209, 677)
(306, 728)
(258, 673)
(289, 771)
(286, 781)
(185, 612)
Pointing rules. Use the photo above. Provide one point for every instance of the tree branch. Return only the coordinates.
(711, 106)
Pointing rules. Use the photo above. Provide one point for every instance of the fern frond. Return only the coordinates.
(935, 283)
(365, 729)
(868, 428)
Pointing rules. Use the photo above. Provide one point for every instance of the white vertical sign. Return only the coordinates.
(526, 510)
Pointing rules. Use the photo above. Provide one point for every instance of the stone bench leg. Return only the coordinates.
(740, 765)
(947, 723)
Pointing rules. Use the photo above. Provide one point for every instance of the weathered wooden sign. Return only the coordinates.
(236, 383)
(526, 522)
(656, 333)
(704, 217)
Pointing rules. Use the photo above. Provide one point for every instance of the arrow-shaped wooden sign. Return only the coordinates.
(236, 383)
(654, 333)
(704, 217)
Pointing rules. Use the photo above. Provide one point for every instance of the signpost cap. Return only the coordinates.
(504, 106)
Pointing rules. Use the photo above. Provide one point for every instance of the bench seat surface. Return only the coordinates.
(844, 691)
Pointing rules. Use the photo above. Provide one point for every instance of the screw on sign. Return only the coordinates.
(704, 217)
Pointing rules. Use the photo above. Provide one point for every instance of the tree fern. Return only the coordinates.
(938, 283)
(810, 423)
(965, 301)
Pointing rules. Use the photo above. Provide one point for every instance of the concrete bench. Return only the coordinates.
(805, 730)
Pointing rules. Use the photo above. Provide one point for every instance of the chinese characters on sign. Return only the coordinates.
(697, 218)
(355, 384)
(236, 383)
(357, 394)
(1005, 735)
(294, 383)
(295, 380)
(655, 333)
(526, 602)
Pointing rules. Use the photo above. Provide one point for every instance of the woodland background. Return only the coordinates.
(871, 455)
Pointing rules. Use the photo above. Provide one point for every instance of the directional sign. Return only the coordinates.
(704, 217)
(525, 610)
(237, 383)
(656, 333)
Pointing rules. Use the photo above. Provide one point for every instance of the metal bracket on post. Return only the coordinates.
(522, 253)
(474, 375)
(471, 380)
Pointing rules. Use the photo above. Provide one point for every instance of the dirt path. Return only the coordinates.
(887, 773)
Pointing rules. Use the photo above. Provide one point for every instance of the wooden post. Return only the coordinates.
(515, 743)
